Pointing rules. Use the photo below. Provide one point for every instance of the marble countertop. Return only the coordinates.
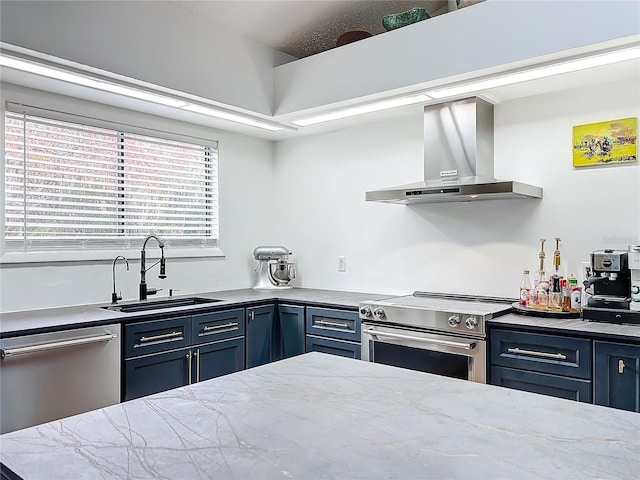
(322, 416)
(49, 319)
(574, 325)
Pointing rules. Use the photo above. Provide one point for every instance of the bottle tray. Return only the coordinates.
(522, 310)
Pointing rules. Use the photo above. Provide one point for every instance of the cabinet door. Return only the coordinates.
(333, 347)
(156, 373)
(259, 335)
(617, 375)
(218, 358)
(291, 323)
(542, 383)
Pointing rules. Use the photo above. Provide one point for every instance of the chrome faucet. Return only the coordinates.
(115, 296)
(144, 291)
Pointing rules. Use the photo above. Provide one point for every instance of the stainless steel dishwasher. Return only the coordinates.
(48, 376)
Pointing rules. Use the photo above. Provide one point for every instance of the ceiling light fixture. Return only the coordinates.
(233, 117)
(362, 109)
(537, 73)
(113, 87)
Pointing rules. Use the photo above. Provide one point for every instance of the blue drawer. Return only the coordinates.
(543, 353)
(326, 322)
(211, 327)
(155, 336)
(333, 347)
(543, 383)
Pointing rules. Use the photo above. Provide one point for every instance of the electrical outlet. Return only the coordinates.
(342, 264)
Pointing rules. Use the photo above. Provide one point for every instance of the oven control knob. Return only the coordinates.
(471, 323)
(454, 321)
(365, 311)
(379, 313)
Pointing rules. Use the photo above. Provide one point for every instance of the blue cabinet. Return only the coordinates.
(259, 335)
(617, 375)
(217, 359)
(333, 347)
(156, 373)
(291, 330)
(155, 357)
(552, 365)
(333, 331)
(542, 383)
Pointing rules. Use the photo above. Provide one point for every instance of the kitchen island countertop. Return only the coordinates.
(321, 416)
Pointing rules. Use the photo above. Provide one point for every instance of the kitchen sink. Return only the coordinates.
(158, 304)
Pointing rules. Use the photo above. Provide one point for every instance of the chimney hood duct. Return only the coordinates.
(458, 159)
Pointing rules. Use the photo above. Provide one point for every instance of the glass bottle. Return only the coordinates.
(555, 295)
(525, 288)
(542, 292)
(576, 294)
(566, 295)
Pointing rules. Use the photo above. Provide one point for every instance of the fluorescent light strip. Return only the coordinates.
(548, 71)
(361, 109)
(233, 117)
(85, 81)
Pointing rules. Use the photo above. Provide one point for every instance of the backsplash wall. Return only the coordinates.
(469, 248)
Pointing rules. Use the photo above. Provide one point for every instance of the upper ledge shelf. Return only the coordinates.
(486, 38)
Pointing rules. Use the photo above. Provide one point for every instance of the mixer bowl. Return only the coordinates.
(282, 272)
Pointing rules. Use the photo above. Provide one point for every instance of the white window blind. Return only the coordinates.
(72, 186)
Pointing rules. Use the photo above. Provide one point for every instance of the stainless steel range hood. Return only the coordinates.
(458, 159)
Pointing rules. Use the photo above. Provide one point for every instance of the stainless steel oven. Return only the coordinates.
(434, 333)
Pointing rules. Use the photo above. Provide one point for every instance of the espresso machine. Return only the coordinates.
(634, 267)
(274, 269)
(609, 285)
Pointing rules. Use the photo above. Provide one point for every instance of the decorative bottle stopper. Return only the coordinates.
(556, 256)
(541, 254)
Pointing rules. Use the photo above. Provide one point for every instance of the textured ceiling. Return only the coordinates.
(302, 28)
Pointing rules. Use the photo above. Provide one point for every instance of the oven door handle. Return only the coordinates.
(375, 333)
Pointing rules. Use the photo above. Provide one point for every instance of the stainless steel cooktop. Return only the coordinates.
(434, 311)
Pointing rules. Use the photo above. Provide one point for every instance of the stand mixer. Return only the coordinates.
(274, 269)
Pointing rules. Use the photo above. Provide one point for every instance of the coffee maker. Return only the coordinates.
(634, 267)
(609, 285)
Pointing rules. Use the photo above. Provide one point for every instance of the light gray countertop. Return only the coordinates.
(33, 321)
(30, 321)
(573, 325)
(322, 416)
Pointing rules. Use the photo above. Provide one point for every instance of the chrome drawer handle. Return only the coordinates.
(220, 327)
(332, 324)
(558, 356)
(53, 345)
(466, 346)
(164, 336)
(197, 355)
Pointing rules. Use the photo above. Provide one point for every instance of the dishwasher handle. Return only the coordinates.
(43, 347)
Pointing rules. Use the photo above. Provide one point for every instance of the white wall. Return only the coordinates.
(474, 248)
(246, 171)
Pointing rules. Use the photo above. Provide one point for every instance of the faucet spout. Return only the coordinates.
(114, 295)
(144, 291)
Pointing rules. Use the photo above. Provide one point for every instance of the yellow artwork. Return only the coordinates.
(612, 142)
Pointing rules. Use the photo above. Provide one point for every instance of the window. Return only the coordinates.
(73, 186)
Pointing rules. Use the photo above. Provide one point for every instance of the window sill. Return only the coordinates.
(88, 256)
